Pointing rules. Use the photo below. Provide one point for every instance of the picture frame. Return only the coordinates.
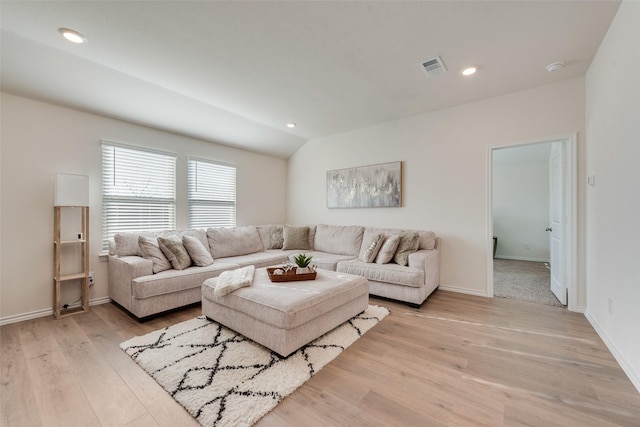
(372, 186)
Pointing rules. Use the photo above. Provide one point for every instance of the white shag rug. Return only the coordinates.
(224, 379)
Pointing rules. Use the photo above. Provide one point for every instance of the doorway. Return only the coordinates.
(531, 186)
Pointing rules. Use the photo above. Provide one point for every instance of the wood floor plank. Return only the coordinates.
(16, 390)
(112, 400)
(458, 360)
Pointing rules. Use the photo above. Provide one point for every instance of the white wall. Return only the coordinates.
(521, 202)
(613, 203)
(444, 157)
(40, 139)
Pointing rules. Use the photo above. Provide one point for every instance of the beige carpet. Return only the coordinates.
(523, 280)
(225, 379)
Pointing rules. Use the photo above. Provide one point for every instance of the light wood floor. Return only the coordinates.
(459, 360)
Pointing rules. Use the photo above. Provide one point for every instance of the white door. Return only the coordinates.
(557, 221)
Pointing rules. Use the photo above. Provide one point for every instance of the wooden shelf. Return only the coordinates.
(83, 275)
(68, 242)
(70, 277)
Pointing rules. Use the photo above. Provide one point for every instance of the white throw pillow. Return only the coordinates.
(373, 246)
(388, 249)
(150, 250)
(198, 253)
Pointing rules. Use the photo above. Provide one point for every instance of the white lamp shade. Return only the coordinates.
(71, 190)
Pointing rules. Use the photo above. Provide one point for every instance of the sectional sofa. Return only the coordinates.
(154, 272)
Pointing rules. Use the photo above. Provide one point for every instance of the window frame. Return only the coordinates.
(130, 202)
(201, 203)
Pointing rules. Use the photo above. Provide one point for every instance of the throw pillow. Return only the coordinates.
(408, 244)
(277, 237)
(296, 237)
(175, 252)
(198, 253)
(369, 255)
(388, 249)
(150, 250)
(127, 244)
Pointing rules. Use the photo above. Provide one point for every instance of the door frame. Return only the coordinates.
(570, 201)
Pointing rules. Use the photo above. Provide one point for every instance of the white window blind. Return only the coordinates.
(138, 191)
(212, 194)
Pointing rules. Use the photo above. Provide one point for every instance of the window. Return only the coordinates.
(212, 194)
(138, 191)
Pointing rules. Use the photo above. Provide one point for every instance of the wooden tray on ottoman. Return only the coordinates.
(289, 276)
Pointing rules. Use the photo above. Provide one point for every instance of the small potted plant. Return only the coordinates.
(303, 261)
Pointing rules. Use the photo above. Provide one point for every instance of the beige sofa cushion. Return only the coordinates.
(387, 273)
(226, 242)
(341, 240)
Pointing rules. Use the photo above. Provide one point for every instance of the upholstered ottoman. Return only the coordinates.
(284, 316)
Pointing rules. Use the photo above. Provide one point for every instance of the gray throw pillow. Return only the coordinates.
(296, 237)
(150, 250)
(408, 244)
(373, 246)
(277, 237)
(388, 249)
(198, 253)
(175, 252)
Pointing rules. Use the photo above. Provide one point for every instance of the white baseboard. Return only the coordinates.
(520, 258)
(634, 377)
(45, 312)
(463, 290)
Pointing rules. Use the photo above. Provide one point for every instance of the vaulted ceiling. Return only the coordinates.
(236, 72)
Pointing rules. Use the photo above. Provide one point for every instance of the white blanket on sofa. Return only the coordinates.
(229, 281)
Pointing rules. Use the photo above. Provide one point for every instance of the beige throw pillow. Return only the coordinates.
(388, 249)
(175, 252)
(127, 244)
(296, 237)
(373, 246)
(197, 252)
(150, 250)
(277, 237)
(408, 244)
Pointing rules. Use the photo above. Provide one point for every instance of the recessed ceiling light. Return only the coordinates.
(72, 35)
(291, 125)
(469, 71)
(555, 66)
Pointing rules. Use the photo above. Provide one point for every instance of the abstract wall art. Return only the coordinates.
(372, 186)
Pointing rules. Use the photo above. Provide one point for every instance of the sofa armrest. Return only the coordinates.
(122, 271)
(429, 261)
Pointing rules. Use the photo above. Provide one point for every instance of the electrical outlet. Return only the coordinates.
(527, 246)
(91, 279)
(610, 305)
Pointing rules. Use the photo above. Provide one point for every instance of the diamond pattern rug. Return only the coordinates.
(224, 379)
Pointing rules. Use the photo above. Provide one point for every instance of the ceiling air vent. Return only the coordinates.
(434, 66)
